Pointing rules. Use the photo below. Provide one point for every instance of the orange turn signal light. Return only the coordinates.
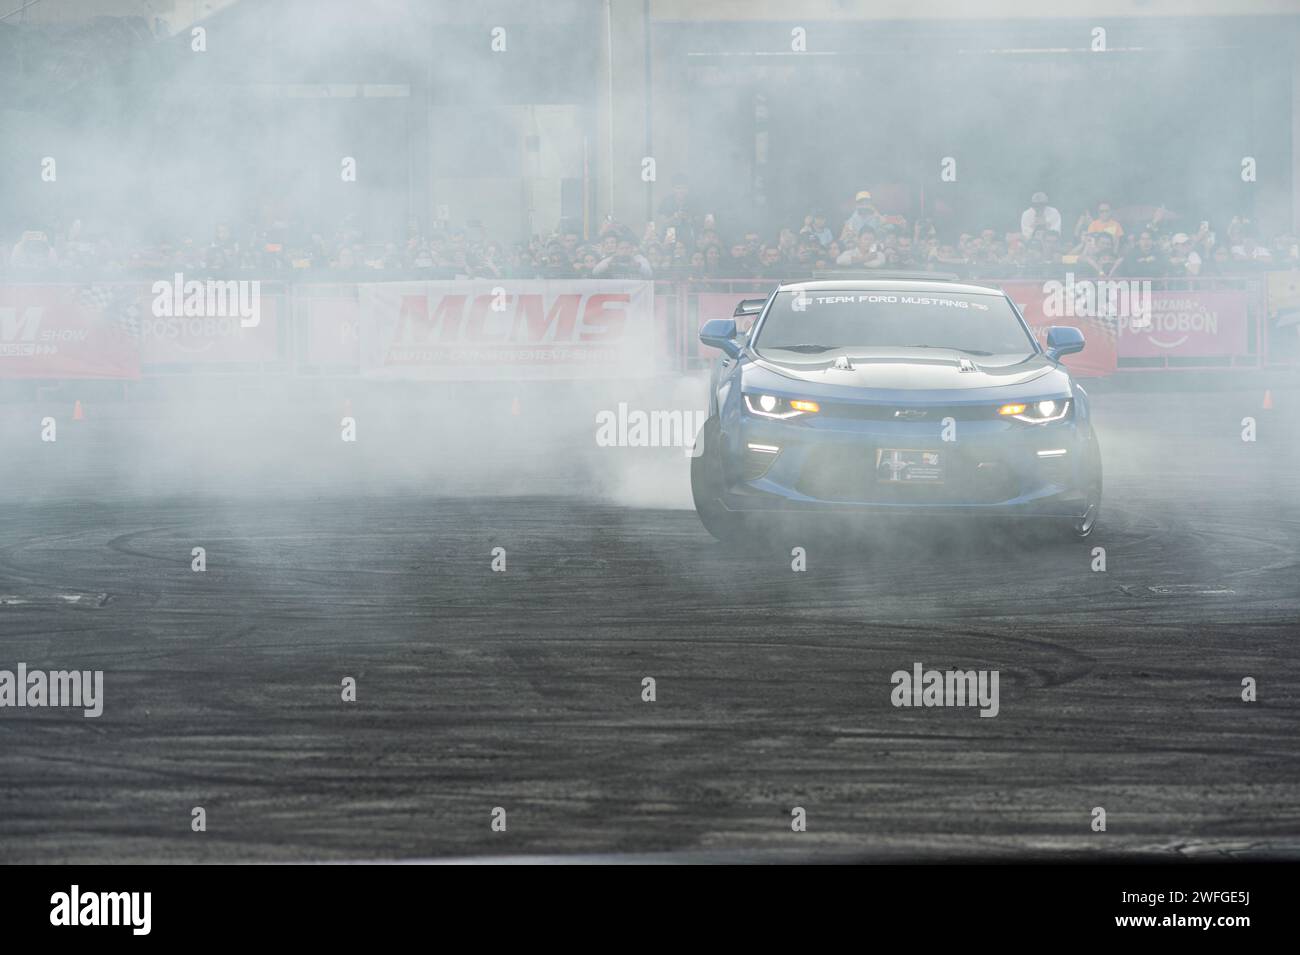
(801, 405)
(1012, 409)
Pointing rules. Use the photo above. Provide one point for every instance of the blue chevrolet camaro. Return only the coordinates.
(898, 396)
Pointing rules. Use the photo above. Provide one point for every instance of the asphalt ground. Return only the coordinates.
(522, 689)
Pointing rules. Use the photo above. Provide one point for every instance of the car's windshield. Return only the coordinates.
(810, 323)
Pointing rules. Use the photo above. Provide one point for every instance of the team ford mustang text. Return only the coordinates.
(893, 396)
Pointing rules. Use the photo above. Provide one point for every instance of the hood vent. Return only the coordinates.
(966, 365)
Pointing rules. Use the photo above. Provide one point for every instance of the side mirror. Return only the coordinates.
(721, 333)
(749, 306)
(1063, 340)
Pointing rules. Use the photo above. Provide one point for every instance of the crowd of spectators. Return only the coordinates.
(685, 242)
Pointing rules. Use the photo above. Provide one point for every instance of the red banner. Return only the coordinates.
(487, 329)
(68, 331)
(1190, 324)
(517, 329)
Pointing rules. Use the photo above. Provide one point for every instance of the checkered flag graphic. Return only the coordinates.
(117, 304)
(1105, 325)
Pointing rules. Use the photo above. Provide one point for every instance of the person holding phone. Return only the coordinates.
(625, 263)
(815, 226)
(1039, 215)
(678, 208)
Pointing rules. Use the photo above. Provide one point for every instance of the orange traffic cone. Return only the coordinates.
(77, 413)
(514, 407)
(1268, 400)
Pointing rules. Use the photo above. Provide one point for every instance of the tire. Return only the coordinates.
(707, 486)
(1082, 527)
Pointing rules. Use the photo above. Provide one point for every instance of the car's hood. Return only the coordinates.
(914, 370)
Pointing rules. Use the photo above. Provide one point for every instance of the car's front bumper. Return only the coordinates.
(989, 467)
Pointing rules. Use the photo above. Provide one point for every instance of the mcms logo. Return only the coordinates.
(15, 327)
(519, 319)
(21, 334)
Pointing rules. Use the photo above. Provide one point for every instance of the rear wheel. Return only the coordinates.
(707, 486)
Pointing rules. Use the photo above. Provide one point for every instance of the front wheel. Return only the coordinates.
(707, 486)
(1083, 525)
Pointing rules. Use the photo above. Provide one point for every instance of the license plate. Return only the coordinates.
(908, 466)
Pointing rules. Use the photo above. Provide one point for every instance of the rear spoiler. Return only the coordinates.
(883, 274)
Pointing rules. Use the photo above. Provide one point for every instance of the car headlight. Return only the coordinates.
(770, 406)
(1037, 412)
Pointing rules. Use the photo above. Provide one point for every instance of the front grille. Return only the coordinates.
(931, 413)
(849, 474)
